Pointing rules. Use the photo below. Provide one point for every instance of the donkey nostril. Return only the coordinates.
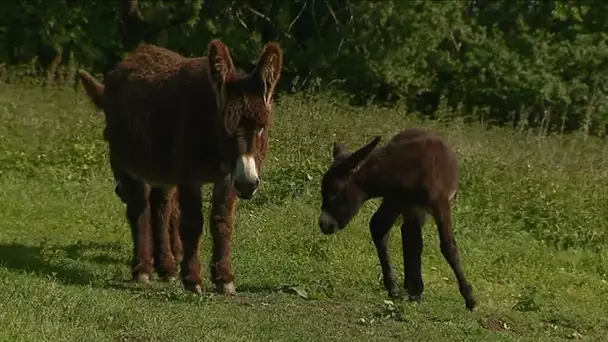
(246, 189)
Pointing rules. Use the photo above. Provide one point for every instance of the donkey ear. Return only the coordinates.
(355, 159)
(221, 65)
(268, 69)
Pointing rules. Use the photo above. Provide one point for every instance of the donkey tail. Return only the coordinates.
(93, 87)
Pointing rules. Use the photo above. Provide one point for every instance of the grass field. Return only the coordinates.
(531, 222)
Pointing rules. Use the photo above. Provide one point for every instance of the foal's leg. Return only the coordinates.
(190, 232)
(380, 225)
(222, 223)
(442, 213)
(160, 210)
(411, 242)
(135, 194)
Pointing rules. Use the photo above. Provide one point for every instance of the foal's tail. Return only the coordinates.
(93, 87)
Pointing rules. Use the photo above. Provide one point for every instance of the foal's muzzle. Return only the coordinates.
(328, 224)
(120, 191)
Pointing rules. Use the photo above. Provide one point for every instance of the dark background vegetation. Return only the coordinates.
(541, 64)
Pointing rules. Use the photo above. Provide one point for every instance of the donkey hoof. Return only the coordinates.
(226, 288)
(194, 288)
(167, 275)
(170, 279)
(143, 278)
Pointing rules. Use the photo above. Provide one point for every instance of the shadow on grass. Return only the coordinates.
(57, 263)
(260, 288)
(106, 252)
(208, 287)
(162, 291)
(24, 258)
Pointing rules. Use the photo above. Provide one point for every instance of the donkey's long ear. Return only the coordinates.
(357, 157)
(268, 69)
(221, 65)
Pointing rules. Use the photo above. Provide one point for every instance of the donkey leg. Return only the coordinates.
(222, 223)
(138, 214)
(174, 219)
(380, 226)
(190, 232)
(442, 213)
(411, 242)
(160, 210)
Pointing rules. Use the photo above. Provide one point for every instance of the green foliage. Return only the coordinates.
(541, 64)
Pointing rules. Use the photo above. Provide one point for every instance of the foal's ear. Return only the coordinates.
(221, 65)
(339, 150)
(268, 69)
(357, 157)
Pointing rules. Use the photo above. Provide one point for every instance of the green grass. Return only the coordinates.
(531, 222)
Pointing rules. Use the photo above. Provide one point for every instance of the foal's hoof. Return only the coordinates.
(142, 278)
(194, 288)
(471, 303)
(415, 298)
(226, 288)
(394, 293)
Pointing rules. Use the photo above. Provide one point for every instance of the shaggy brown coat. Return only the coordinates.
(166, 225)
(176, 121)
(414, 174)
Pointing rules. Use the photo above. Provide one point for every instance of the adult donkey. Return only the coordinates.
(173, 121)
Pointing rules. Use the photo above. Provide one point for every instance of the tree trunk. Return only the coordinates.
(50, 72)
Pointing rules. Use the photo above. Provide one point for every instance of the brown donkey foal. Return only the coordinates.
(414, 174)
(173, 121)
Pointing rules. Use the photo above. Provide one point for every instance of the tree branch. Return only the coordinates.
(261, 15)
(179, 19)
(340, 28)
(297, 17)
